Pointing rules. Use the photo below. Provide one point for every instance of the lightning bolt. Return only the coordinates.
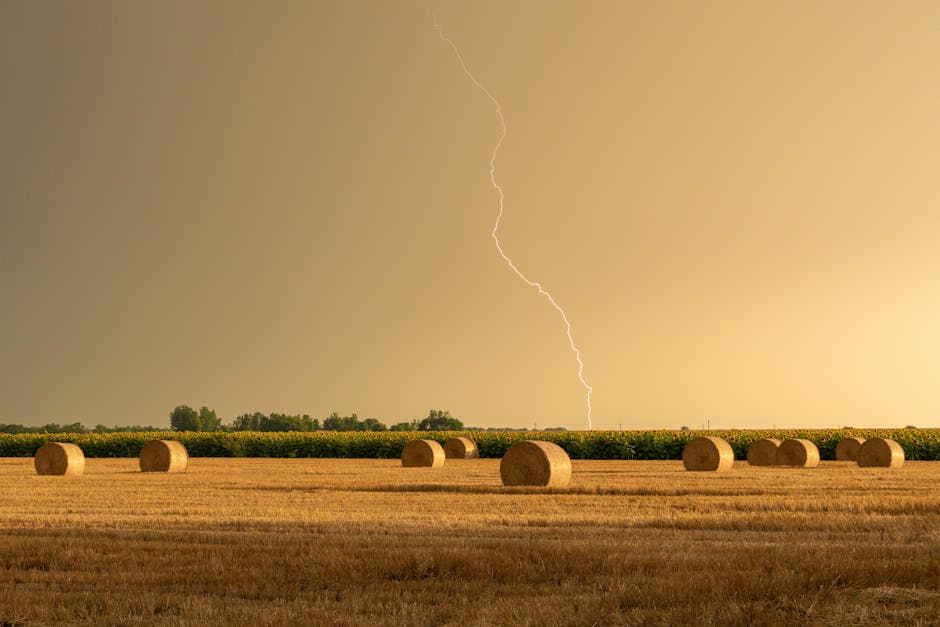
(499, 216)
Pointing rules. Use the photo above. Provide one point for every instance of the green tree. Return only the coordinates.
(282, 422)
(185, 418)
(275, 422)
(352, 423)
(208, 421)
(438, 420)
(249, 422)
(334, 423)
(371, 424)
(341, 423)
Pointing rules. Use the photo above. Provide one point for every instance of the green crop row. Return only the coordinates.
(918, 444)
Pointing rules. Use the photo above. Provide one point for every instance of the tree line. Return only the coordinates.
(185, 418)
(74, 427)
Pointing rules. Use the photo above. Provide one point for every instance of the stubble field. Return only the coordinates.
(366, 542)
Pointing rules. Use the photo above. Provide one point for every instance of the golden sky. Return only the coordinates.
(286, 207)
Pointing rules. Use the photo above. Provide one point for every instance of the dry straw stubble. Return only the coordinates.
(880, 453)
(423, 454)
(708, 453)
(163, 456)
(763, 452)
(535, 463)
(59, 458)
(274, 534)
(847, 449)
(798, 452)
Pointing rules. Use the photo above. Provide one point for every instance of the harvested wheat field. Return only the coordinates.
(364, 542)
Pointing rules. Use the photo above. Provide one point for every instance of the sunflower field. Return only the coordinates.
(918, 444)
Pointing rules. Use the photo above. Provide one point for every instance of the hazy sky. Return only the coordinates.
(285, 206)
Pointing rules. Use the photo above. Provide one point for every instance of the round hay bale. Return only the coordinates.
(460, 448)
(59, 458)
(880, 453)
(163, 456)
(847, 449)
(763, 452)
(535, 463)
(707, 454)
(423, 454)
(798, 452)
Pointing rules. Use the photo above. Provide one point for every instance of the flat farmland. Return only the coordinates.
(365, 542)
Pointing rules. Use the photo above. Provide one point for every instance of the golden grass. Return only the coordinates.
(364, 542)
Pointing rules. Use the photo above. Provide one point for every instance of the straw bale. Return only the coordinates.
(847, 449)
(461, 448)
(59, 458)
(708, 453)
(763, 452)
(798, 452)
(535, 463)
(880, 453)
(423, 454)
(163, 456)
